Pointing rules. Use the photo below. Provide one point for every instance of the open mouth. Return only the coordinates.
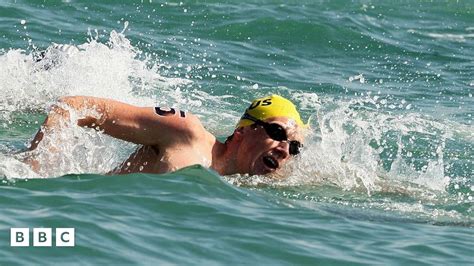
(270, 162)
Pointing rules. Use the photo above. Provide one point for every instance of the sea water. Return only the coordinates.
(385, 177)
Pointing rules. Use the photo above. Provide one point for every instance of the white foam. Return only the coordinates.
(114, 69)
(461, 37)
(11, 167)
(111, 70)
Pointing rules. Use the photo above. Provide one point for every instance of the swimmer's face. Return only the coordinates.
(259, 154)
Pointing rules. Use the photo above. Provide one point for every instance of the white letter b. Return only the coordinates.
(42, 237)
(19, 237)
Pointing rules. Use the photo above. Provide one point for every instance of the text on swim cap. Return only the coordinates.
(260, 102)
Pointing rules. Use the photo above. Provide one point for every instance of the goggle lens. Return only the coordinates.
(295, 147)
(276, 132)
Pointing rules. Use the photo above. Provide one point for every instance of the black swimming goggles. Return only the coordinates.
(276, 132)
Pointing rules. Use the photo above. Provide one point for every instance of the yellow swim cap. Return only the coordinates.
(271, 106)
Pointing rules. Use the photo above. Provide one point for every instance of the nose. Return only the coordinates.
(283, 150)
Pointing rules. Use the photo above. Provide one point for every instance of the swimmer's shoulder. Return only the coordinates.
(182, 121)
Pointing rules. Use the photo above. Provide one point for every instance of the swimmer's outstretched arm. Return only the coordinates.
(141, 125)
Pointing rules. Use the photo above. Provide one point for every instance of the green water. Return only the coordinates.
(386, 176)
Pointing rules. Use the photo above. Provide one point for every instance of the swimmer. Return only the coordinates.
(268, 134)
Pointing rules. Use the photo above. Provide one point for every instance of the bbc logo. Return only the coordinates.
(42, 237)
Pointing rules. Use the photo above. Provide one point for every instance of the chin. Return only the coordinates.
(259, 172)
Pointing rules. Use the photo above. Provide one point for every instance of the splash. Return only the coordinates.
(114, 69)
(367, 145)
(31, 82)
(68, 149)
